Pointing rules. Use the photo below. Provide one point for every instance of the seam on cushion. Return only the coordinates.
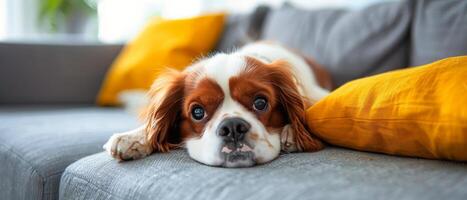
(74, 175)
(49, 177)
(55, 174)
(395, 120)
(43, 178)
(34, 170)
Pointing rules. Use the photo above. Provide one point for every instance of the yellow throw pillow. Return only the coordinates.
(419, 112)
(163, 43)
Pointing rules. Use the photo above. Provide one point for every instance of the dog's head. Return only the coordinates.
(229, 110)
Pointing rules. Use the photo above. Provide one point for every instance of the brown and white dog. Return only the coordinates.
(231, 110)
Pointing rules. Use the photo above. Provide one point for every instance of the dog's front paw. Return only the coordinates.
(127, 146)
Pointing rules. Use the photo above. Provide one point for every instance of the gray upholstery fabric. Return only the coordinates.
(37, 144)
(439, 30)
(235, 33)
(350, 44)
(328, 174)
(241, 29)
(53, 73)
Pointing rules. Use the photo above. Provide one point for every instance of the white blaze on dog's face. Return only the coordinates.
(229, 110)
(241, 130)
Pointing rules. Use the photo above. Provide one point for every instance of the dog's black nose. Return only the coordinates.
(233, 129)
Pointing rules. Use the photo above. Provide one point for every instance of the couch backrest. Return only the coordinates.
(356, 43)
(439, 30)
(349, 43)
(53, 73)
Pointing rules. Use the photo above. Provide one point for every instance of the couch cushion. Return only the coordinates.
(349, 43)
(439, 30)
(37, 144)
(328, 174)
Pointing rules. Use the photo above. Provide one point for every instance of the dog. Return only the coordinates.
(230, 110)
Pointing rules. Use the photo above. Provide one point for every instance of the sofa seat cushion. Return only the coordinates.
(37, 144)
(329, 174)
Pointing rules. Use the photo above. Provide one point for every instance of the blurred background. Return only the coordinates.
(117, 21)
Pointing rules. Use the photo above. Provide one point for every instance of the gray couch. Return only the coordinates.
(51, 135)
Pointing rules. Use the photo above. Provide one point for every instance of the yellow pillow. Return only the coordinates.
(163, 43)
(419, 112)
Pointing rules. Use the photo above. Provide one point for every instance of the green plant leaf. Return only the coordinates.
(52, 10)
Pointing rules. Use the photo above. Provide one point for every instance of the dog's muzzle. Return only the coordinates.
(236, 151)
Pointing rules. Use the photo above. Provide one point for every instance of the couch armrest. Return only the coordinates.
(37, 73)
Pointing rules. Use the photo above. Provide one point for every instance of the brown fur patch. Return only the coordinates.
(245, 87)
(275, 81)
(165, 100)
(168, 115)
(207, 94)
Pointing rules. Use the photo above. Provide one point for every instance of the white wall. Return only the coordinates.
(2, 18)
(121, 20)
(18, 18)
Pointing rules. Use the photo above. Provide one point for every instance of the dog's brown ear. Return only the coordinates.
(292, 102)
(164, 111)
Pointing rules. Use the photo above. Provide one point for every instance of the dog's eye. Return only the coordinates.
(197, 113)
(260, 104)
